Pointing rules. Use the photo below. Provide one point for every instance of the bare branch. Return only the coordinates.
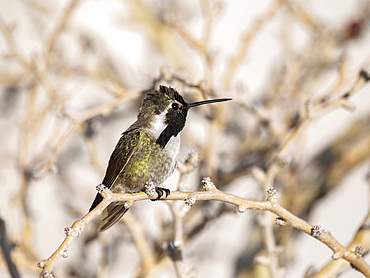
(211, 193)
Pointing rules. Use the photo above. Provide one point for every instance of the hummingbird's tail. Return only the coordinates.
(111, 215)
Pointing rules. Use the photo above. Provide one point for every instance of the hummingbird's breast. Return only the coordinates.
(150, 162)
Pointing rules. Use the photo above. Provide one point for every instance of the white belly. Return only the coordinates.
(172, 149)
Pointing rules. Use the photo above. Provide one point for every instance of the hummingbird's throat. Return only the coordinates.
(158, 124)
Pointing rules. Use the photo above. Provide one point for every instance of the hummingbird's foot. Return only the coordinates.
(160, 192)
(155, 192)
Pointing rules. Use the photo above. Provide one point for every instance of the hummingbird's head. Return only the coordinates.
(165, 111)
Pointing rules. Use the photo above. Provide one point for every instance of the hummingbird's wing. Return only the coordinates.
(121, 155)
(111, 214)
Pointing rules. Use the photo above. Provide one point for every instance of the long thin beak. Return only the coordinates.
(207, 101)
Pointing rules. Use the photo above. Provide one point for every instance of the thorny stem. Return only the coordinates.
(335, 267)
(211, 193)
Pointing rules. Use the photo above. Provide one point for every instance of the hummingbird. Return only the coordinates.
(147, 151)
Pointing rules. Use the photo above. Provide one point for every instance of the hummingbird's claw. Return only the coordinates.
(161, 191)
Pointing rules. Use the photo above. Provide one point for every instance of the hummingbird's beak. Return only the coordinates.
(190, 105)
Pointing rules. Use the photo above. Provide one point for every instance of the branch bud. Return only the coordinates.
(69, 231)
(41, 264)
(103, 190)
(271, 195)
(208, 184)
(242, 208)
(359, 251)
(190, 200)
(64, 253)
(316, 231)
(280, 222)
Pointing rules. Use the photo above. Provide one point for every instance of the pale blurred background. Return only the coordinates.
(72, 73)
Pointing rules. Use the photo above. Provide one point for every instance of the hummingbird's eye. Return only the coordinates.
(175, 106)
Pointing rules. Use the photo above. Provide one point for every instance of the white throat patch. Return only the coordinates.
(158, 125)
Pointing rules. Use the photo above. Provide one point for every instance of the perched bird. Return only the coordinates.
(147, 151)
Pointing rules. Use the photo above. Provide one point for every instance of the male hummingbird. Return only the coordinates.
(147, 151)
